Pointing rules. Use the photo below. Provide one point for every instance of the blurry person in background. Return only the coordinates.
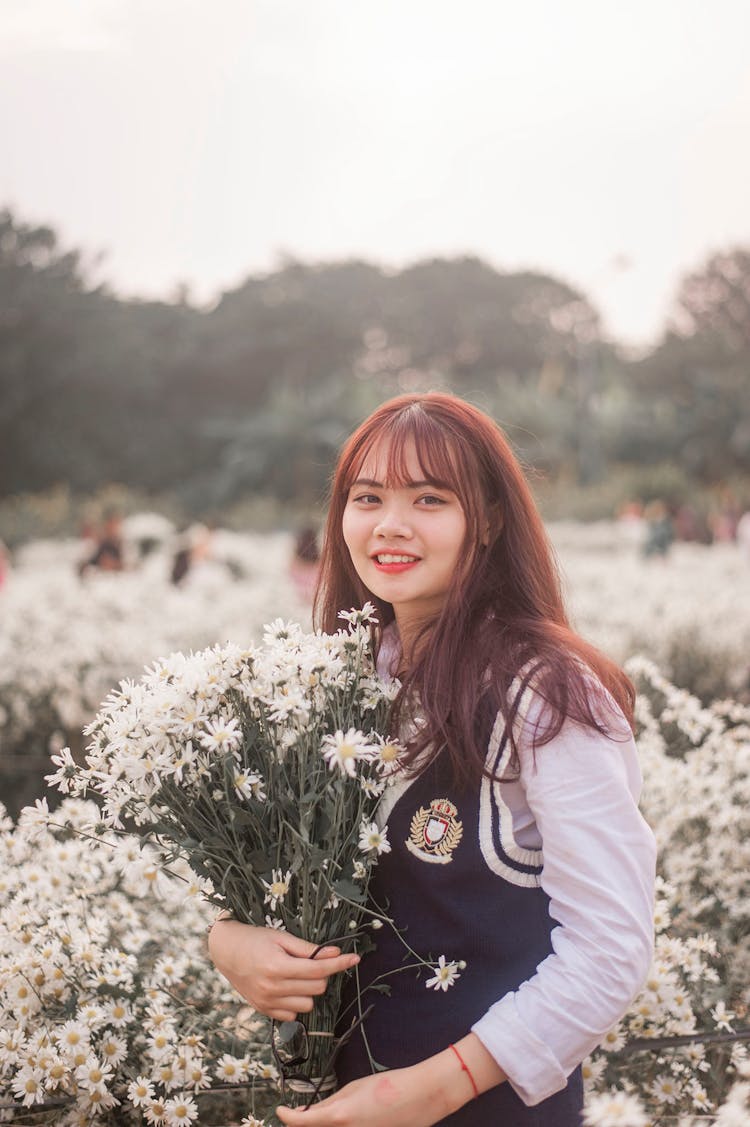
(108, 554)
(686, 525)
(631, 524)
(194, 547)
(724, 518)
(659, 531)
(305, 563)
(181, 562)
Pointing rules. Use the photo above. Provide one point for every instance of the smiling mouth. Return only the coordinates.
(394, 563)
(394, 558)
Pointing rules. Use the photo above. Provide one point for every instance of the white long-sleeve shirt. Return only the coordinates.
(575, 801)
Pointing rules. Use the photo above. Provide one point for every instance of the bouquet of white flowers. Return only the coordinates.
(262, 768)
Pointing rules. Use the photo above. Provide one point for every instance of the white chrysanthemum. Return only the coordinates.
(277, 887)
(343, 749)
(11, 1046)
(93, 1073)
(140, 1091)
(665, 1089)
(162, 1043)
(371, 838)
(67, 770)
(221, 735)
(613, 1040)
(155, 1110)
(196, 1075)
(71, 1036)
(249, 784)
(263, 1071)
(117, 1013)
(723, 1017)
(28, 1085)
(445, 975)
(145, 877)
(592, 1070)
(699, 1097)
(34, 820)
(387, 755)
(233, 1070)
(373, 788)
(180, 1111)
(615, 1109)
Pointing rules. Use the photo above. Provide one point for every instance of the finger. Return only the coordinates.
(320, 967)
(302, 948)
(315, 1116)
(299, 1004)
(305, 986)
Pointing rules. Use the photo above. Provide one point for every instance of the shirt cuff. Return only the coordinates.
(533, 1071)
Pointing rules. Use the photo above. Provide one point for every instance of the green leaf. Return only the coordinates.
(349, 890)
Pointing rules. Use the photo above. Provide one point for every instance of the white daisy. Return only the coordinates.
(155, 1111)
(665, 1089)
(221, 735)
(140, 1091)
(388, 755)
(28, 1085)
(277, 887)
(343, 749)
(614, 1109)
(248, 784)
(723, 1017)
(445, 975)
(232, 1069)
(371, 838)
(180, 1111)
(67, 769)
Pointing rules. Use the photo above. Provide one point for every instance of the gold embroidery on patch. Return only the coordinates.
(435, 832)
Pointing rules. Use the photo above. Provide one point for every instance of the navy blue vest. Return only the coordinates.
(438, 887)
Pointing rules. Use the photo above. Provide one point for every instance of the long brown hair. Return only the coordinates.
(504, 612)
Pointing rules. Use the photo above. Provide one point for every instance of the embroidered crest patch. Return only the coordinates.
(435, 832)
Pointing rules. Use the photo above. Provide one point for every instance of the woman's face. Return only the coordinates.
(407, 543)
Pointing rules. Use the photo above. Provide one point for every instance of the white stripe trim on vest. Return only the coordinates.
(493, 790)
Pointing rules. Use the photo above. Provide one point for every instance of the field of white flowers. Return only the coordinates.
(106, 1009)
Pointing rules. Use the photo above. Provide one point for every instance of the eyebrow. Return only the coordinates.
(411, 484)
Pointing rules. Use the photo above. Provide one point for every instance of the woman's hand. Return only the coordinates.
(417, 1096)
(398, 1098)
(273, 970)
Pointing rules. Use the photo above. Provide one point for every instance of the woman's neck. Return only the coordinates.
(412, 638)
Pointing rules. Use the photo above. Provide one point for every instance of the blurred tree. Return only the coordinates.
(254, 395)
(716, 300)
(693, 391)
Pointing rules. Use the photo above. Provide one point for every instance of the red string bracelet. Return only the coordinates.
(465, 1068)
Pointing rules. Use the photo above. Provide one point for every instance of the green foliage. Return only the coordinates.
(253, 396)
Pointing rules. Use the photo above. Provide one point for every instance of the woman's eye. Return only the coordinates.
(367, 498)
(431, 499)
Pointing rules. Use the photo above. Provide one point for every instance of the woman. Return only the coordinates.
(517, 848)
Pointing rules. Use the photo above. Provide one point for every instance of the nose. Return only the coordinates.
(392, 523)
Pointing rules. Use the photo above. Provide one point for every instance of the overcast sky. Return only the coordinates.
(197, 140)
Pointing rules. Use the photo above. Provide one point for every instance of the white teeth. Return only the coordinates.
(387, 558)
